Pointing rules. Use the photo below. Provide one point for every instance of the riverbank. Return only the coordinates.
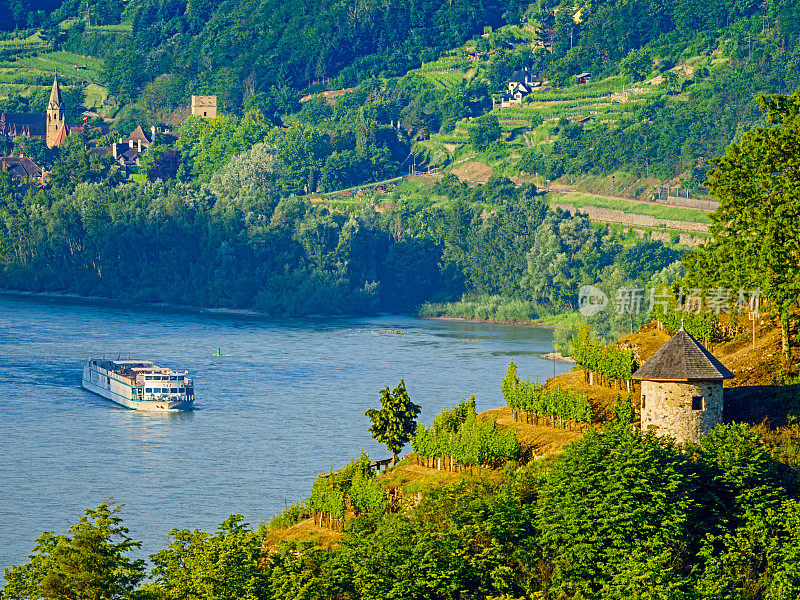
(132, 303)
(542, 324)
(188, 308)
(499, 310)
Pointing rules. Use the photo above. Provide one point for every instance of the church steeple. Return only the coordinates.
(55, 114)
(55, 96)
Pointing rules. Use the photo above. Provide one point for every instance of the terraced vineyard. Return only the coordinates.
(27, 64)
(64, 64)
(444, 80)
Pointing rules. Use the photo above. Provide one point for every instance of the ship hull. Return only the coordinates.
(147, 405)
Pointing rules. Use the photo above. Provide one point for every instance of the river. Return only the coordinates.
(286, 404)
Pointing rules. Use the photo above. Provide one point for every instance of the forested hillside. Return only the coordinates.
(255, 54)
(252, 206)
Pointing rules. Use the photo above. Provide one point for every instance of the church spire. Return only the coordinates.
(56, 114)
(55, 96)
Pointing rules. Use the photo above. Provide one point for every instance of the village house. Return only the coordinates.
(521, 83)
(128, 151)
(22, 169)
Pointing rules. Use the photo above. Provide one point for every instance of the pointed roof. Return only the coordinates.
(55, 96)
(21, 167)
(682, 358)
(139, 134)
(61, 135)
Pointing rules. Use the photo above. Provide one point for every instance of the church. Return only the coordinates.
(50, 126)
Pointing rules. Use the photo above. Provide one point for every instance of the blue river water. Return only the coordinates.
(286, 403)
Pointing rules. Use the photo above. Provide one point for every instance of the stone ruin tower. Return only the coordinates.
(204, 106)
(682, 394)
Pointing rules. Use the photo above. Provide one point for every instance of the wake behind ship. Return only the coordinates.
(139, 384)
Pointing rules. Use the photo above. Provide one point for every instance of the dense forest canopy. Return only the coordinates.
(237, 242)
(249, 53)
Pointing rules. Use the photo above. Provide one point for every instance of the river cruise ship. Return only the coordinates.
(139, 384)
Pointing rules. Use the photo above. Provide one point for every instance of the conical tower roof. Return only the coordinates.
(55, 96)
(139, 134)
(682, 358)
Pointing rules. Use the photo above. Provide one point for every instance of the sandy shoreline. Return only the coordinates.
(558, 357)
(540, 324)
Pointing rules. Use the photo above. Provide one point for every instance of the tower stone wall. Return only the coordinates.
(204, 106)
(671, 408)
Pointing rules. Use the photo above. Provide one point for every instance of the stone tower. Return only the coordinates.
(56, 114)
(204, 106)
(682, 394)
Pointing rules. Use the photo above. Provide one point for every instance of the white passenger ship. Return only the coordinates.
(139, 384)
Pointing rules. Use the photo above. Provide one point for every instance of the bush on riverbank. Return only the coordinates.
(486, 308)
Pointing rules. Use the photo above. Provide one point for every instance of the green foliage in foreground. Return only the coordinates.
(89, 562)
(617, 515)
(224, 564)
(532, 397)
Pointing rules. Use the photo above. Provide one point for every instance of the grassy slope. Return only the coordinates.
(630, 206)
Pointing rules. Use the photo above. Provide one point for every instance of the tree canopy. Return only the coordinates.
(394, 424)
(88, 563)
(756, 241)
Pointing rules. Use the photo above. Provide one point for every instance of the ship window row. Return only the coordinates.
(164, 390)
(161, 378)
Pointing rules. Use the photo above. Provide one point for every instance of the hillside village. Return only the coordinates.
(51, 128)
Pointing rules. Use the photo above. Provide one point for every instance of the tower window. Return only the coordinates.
(643, 397)
(697, 403)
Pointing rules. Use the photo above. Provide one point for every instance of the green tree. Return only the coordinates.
(396, 421)
(671, 80)
(615, 511)
(637, 64)
(75, 164)
(303, 150)
(89, 563)
(484, 131)
(756, 241)
(212, 566)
